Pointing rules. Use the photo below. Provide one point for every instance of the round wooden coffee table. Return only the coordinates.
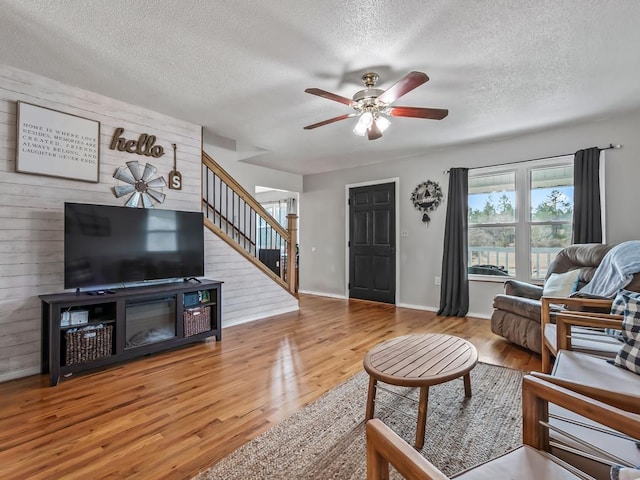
(419, 360)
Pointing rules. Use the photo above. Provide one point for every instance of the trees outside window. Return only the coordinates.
(503, 235)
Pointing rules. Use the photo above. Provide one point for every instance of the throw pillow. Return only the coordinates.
(617, 308)
(561, 284)
(629, 354)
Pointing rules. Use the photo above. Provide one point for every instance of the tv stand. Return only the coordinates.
(88, 330)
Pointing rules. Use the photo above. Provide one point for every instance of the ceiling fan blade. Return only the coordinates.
(416, 112)
(374, 132)
(401, 87)
(331, 120)
(329, 96)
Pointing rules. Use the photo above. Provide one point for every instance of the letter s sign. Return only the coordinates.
(175, 180)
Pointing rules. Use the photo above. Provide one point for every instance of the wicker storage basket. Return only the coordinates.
(197, 320)
(86, 345)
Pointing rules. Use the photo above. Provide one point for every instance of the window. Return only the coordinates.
(550, 222)
(492, 224)
(520, 217)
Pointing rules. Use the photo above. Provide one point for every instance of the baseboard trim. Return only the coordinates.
(484, 316)
(432, 309)
(25, 372)
(260, 316)
(424, 308)
(323, 294)
(417, 307)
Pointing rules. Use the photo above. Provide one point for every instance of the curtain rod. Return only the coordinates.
(610, 147)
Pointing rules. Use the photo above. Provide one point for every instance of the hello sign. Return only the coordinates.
(145, 145)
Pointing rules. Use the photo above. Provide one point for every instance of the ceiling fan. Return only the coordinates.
(372, 104)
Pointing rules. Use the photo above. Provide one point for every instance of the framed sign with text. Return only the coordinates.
(57, 144)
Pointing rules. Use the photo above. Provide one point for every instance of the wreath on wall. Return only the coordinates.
(426, 197)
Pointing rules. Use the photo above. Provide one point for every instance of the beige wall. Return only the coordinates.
(322, 206)
(225, 152)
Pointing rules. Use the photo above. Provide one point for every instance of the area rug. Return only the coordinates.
(326, 439)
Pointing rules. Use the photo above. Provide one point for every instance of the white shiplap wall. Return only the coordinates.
(31, 214)
(247, 295)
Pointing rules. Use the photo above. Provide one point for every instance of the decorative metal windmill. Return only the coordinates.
(141, 186)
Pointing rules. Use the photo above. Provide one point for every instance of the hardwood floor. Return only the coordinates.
(171, 415)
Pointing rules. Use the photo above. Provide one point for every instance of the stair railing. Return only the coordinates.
(238, 218)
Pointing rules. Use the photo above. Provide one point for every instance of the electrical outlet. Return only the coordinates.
(404, 233)
(437, 280)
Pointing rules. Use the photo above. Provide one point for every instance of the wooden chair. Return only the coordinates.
(533, 460)
(577, 328)
(584, 443)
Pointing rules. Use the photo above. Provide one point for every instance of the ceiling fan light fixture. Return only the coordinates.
(363, 124)
(359, 129)
(382, 123)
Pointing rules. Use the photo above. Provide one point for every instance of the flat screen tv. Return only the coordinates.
(107, 245)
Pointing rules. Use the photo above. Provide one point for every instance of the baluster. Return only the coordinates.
(292, 229)
(207, 190)
(219, 206)
(244, 212)
(226, 209)
(254, 235)
(233, 213)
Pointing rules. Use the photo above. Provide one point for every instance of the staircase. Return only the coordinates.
(236, 217)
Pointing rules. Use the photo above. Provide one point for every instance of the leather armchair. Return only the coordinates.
(517, 312)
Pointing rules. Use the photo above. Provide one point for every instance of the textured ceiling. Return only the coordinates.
(239, 68)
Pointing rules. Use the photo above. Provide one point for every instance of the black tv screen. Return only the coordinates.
(106, 245)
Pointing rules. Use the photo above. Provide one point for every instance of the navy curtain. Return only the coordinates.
(587, 219)
(454, 291)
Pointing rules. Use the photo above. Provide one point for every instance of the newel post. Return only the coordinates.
(292, 273)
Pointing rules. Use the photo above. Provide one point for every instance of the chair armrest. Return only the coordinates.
(537, 393)
(579, 302)
(589, 319)
(579, 294)
(623, 401)
(522, 289)
(384, 446)
(546, 302)
(566, 320)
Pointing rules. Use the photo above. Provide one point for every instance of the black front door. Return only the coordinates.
(372, 243)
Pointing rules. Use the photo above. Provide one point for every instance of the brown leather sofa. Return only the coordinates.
(517, 312)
